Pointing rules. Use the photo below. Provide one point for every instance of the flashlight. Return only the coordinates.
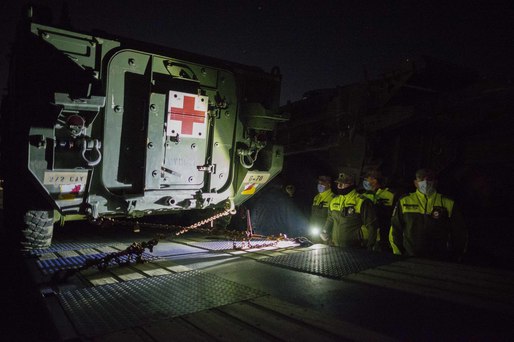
(315, 231)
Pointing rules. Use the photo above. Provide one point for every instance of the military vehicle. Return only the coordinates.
(97, 126)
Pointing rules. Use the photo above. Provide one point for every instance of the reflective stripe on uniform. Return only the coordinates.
(323, 198)
(353, 199)
(418, 203)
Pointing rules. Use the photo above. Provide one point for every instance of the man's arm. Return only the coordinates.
(396, 230)
(369, 219)
(326, 231)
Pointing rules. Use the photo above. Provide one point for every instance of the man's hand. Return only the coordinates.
(324, 236)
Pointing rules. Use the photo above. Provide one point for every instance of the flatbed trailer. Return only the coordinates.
(199, 287)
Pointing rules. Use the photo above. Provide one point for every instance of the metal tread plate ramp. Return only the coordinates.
(203, 292)
(69, 246)
(49, 264)
(486, 289)
(331, 262)
(103, 309)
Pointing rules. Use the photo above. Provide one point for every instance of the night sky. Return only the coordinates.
(316, 44)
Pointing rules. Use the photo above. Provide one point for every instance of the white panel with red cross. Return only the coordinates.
(187, 115)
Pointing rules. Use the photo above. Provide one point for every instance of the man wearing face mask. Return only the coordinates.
(428, 224)
(319, 209)
(351, 217)
(383, 199)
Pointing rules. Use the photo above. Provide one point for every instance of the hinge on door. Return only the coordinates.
(207, 168)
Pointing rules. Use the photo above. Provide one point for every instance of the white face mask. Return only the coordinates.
(426, 187)
(367, 185)
(321, 188)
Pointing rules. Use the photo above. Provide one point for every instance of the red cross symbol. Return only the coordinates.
(187, 115)
(76, 189)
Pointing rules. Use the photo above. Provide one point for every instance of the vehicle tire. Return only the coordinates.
(38, 229)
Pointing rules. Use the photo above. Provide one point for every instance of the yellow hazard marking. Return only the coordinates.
(249, 189)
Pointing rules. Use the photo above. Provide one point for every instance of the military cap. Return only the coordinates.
(345, 178)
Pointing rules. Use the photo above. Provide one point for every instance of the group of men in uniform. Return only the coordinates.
(424, 223)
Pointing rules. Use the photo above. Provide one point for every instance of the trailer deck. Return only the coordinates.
(199, 287)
